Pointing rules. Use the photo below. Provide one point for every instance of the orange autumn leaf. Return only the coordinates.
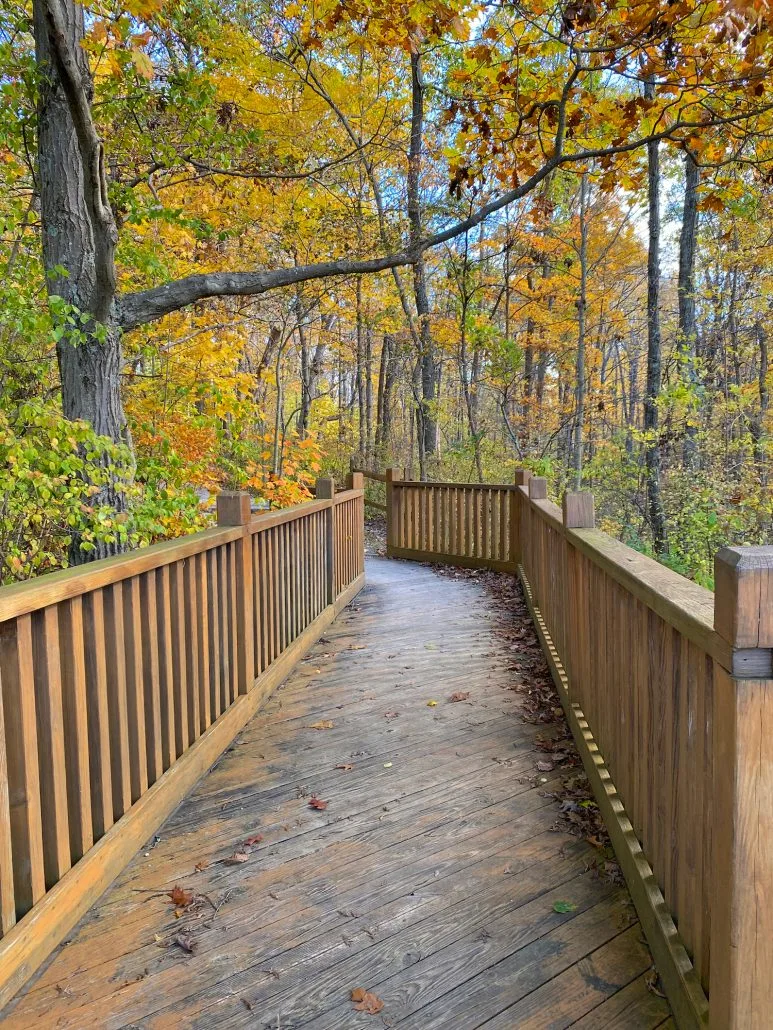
(180, 897)
(366, 1001)
(318, 804)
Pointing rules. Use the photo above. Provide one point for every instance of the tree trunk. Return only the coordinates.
(79, 235)
(758, 425)
(687, 329)
(579, 368)
(426, 424)
(652, 453)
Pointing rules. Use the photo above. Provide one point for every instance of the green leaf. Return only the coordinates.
(563, 906)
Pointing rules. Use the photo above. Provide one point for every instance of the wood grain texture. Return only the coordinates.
(431, 877)
(32, 939)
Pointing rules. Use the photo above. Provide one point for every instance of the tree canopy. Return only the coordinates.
(244, 240)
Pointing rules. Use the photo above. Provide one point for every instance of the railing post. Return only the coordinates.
(579, 511)
(326, 490)
(234, 509)
(538, 488)
(355, 480)
(392, 505)
(521, 478)
(741, 988)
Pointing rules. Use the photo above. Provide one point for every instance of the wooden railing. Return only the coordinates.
(122, 681)
(468, 525)
(668, 689)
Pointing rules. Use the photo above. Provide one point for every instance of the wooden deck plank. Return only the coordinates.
(430, 878)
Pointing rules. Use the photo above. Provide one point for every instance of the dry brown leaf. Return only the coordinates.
(255, 839)
(237, 858)
(201, 866)
(323, 724)
(545, 766)
(391, 715)
(318, 804)
(366, 1001)
(459, 695)
(346, 767)
(185, 941)
(180, 897)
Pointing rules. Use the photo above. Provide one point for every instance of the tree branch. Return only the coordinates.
(148, 305)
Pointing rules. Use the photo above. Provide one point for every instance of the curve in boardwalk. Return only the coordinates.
(431, 874)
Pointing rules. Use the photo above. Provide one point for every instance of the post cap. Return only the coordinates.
(326, 489)
(743, 596)
(578, 509)
(538, 488)
(234, 508)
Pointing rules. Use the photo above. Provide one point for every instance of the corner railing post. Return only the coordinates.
(355, 480)
(741, 988)
(234, 508)
(392, 507)
(326, 492)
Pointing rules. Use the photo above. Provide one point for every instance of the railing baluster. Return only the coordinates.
(76, 730)
(21, 739)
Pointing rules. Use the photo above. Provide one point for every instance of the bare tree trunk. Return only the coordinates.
(687, 329)
(652, 452)
(758, 425)
(425, 414)
(579, 368)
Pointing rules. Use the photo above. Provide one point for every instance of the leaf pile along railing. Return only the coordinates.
(120, 682)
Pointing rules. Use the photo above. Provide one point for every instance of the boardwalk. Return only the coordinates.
(431, 878)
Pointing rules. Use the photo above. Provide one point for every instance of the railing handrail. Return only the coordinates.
(420, 483)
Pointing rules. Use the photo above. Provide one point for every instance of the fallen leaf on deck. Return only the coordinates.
(346, 767)
(652, 981)
(431, 647)
(201, 866)
(545, 766)
(323, 724)
(185, 941)
(391, 715)
(431, 704)
(563, 906)
(180, 897)
(237, 858)
(256, 839)
(318, 804)
(366, 1001)
(459, 695)
(387, 765)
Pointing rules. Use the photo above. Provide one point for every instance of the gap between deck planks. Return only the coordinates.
(430, 878)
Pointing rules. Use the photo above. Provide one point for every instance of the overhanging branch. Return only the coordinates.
(137, 309)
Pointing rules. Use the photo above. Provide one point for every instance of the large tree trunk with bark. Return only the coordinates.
(79, 236)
